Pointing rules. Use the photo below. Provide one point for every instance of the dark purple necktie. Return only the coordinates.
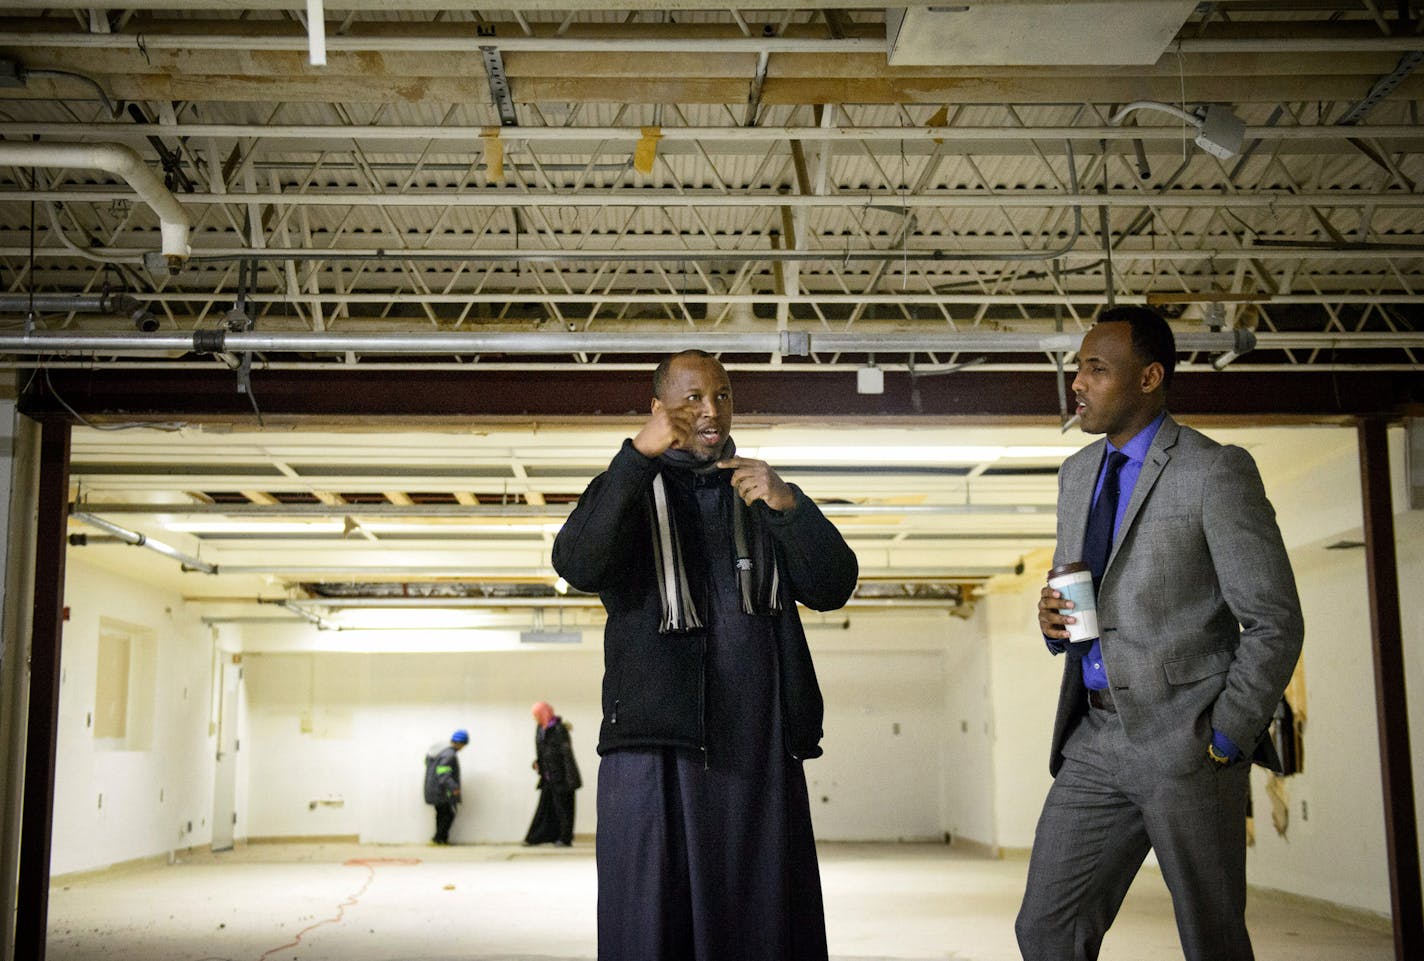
(1097, 542)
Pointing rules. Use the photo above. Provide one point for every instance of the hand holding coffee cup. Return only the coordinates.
(1067, 607)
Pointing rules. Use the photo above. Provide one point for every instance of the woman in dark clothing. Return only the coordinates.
(558, 780)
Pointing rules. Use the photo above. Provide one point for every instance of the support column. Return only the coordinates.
(32, 900)
(1401, 830)
(19, 479)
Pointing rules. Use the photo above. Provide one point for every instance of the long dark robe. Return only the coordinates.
(558, 779)
(713, 859)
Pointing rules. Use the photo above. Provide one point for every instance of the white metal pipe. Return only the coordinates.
(1169, 133)
(956, 200)
(387, 511)
(387, 6)
(1038, 298)
(143, 540)
(115, 159)
(501, 573)
(790, 343)
(772, 342)
(455, 364)
(630, 252)
(576, 603)
(89, 303)
(1121, 115)
(563, 43)
(467, 42)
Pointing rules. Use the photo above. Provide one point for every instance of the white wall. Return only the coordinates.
(353, 726)
(884, 688)
(1335, 845)
(1025, 680)
(156, 799)
(968, 785)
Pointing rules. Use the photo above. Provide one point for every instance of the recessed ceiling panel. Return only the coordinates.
(1009, 34)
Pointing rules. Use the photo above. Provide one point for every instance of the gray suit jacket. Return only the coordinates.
(1198, 611)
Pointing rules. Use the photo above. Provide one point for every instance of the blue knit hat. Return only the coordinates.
(461, 736)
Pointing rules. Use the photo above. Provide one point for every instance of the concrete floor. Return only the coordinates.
(347, 902)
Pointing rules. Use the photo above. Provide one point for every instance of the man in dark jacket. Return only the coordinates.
(558, 779)
(442, 782)
(710, 700)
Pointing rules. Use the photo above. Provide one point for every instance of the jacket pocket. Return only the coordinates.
(1188, 670)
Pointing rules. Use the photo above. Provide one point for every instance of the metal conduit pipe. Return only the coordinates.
(472, 573)
(684, 134)
(820, 368)
(1267, 251)
(956, 200)
(143, 540)
(629, 135)
(577, 603)
(557, 43)
(377, 511)
(785, 343)
(1026, 298)
(115, 159)
(322, 624)
(107, 302)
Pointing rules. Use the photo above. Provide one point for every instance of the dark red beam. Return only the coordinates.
(32, 883)
(595, 391)
(1391, 707)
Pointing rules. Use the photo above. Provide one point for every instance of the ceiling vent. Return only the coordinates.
(1034, 33)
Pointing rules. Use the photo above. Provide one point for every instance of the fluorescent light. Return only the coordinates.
(889, 454)
(1039, 453)
(332, 525)
(432, 619)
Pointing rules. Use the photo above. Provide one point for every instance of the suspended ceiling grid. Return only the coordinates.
(932, 218)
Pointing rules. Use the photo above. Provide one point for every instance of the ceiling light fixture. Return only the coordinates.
(889, 454)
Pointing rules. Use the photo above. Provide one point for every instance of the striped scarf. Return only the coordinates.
(758, 579)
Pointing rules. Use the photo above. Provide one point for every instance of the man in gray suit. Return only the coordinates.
(1200, 628)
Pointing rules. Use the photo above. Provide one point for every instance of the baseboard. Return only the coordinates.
(981, 849)
(118, 867)
(1359, 917)
(306, 839)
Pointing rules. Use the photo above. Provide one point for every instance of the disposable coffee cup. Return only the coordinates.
(1075, 582)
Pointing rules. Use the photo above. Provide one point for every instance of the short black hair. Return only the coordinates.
(1152, 338)
(660, 375)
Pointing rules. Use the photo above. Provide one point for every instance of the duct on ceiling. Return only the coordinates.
(123, 162)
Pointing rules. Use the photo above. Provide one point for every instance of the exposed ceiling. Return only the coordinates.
(559, 188)
(465, 517)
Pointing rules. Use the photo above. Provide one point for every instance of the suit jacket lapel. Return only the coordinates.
(1157, 457)
(1080, 484)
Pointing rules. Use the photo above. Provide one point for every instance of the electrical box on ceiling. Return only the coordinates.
(1028, 33)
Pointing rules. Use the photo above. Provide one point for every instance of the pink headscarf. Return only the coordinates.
(543, 713)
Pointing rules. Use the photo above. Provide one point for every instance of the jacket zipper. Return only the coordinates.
(702, 701)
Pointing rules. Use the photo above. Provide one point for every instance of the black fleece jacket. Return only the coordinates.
(653, 684)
